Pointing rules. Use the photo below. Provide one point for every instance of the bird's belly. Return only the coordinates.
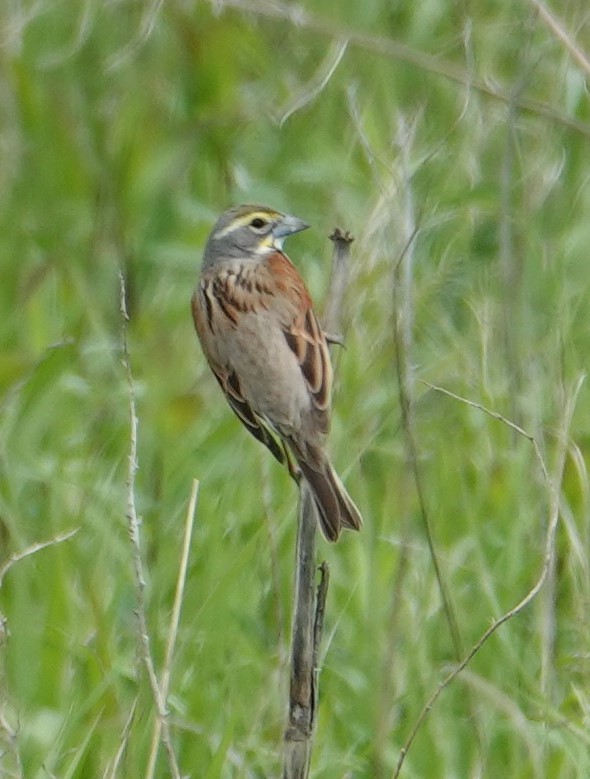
(269, 374)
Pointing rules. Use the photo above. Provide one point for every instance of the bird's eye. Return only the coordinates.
(257, 223)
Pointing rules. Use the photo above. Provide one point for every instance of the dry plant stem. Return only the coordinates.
(11, 734)
(553, 488)
(548, 631)
(302, 692)
(174, 622)
(558, 29)
(309, 608)
(332, 319)
(307, 634)
(510, 266)
(112, 771)
(388, 692)
(133, 525)
(501, 418)
(33, 549)
(402, 340)
(403, 295)
(11, 738)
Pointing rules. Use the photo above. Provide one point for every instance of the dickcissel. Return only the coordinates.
(257, 327)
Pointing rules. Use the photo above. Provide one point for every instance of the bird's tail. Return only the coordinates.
(336, 509)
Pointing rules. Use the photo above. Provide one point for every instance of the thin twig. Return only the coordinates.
(553, 487)
(12, 738)
(332, 319)
(500, 417)
(388, 690)
(133, 528)
(508, 262)
(403, 338)
(557, 27)
(402, 335)
(33, 549)
(112, 771)
(174, 622)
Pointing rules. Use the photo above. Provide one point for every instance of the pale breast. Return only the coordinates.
(269, 374)
(245, 318)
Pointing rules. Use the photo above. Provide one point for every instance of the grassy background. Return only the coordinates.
(125, 128)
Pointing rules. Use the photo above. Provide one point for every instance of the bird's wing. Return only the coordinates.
(252, 422)
(303, 335)
(228, 379)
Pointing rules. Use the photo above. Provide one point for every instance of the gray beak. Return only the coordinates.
(287, 226)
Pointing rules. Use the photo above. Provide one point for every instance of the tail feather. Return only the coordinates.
(336, 509)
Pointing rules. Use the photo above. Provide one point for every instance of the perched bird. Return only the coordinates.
(260, 335)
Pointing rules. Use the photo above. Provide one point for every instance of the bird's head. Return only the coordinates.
(249, 231)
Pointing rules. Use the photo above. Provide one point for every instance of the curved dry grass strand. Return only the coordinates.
(392, 49)
(133, 529)
(558, 29)
(553, 487)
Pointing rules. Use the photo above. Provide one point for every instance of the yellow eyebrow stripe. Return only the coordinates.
(244, 220)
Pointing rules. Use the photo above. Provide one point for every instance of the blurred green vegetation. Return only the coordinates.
(125, 129)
